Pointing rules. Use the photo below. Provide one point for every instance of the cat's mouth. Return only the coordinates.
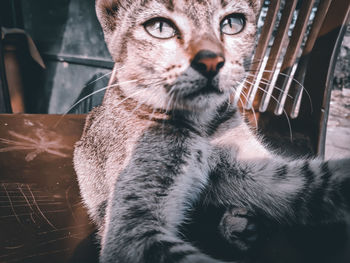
(210, 88)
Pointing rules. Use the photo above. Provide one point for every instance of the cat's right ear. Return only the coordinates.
(107, 11)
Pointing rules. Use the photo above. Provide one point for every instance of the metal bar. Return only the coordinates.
(79, 60)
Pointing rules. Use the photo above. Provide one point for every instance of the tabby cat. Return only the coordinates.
(167, 137)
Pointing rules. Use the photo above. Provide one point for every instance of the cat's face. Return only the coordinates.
(179, 53)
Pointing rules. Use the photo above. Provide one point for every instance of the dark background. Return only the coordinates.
(70, 40)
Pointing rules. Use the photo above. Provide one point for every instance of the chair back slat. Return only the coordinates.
(293, 50)
(256, 93)
(260, 50)
(296, 89)
(276, 77)
(319, 75)
(290, 81)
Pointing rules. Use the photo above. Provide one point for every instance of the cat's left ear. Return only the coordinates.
(107, 11)
(257, 4)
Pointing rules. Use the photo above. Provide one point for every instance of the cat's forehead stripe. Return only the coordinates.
(170, 4)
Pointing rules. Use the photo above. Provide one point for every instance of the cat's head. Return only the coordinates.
(179, 53)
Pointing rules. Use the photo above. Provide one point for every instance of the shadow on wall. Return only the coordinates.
(70, 40)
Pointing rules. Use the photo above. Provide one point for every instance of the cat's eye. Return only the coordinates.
(232, 24)
(160, 28)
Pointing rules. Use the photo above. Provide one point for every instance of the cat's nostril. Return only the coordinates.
(212, 64)
(220, 65)
(208, 63)
(202, 67)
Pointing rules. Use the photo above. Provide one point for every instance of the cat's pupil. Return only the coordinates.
(159, 28)
(232, 24)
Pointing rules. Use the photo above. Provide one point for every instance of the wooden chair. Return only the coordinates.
(298, 90)
(41, 216)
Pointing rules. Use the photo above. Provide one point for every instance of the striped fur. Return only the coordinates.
(147, 157)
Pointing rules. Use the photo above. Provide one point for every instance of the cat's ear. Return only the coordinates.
(257, 4)
(107, 12)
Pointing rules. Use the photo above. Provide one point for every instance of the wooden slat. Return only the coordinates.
(291, 55)
(330, 37)
(282, 35)
(260, 51)
(295, 90)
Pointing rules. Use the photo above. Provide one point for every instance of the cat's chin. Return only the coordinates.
(203, 102)
(208, 90)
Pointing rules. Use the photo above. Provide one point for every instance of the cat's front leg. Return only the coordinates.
(141, 223)
(291, 192)
(149, 201)
(239, 228)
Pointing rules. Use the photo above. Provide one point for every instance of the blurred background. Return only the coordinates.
(70, 42)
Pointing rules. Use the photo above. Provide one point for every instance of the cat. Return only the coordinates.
(167, 137)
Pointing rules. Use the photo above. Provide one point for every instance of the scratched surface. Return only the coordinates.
(42, 218)
(41, 215)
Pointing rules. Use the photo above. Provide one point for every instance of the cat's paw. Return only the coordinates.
(239, 229)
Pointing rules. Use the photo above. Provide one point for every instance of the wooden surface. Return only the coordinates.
(41, 215)
(42, 218)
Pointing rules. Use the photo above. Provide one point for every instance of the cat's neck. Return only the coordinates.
(116, 100)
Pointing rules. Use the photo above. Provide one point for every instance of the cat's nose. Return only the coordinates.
(208, 63)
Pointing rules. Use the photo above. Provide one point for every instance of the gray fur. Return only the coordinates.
(150, 152)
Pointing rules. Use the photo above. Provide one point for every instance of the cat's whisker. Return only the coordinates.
(253, 110)
(100, 90)
(252, 62)
(242, 102)
(152, 114)
(84, 98)
(96, 122)
(284, 112)
(139, 104)
(254, 113)
(175, 104)
(172, 89)
(154, 110)
(268, 93)
(103, 76)
(296, 81)
(229, 96)
(266, 81)
(93, 93)
(169, 103)
(269, 83)
(234, 91)
(144, 102)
